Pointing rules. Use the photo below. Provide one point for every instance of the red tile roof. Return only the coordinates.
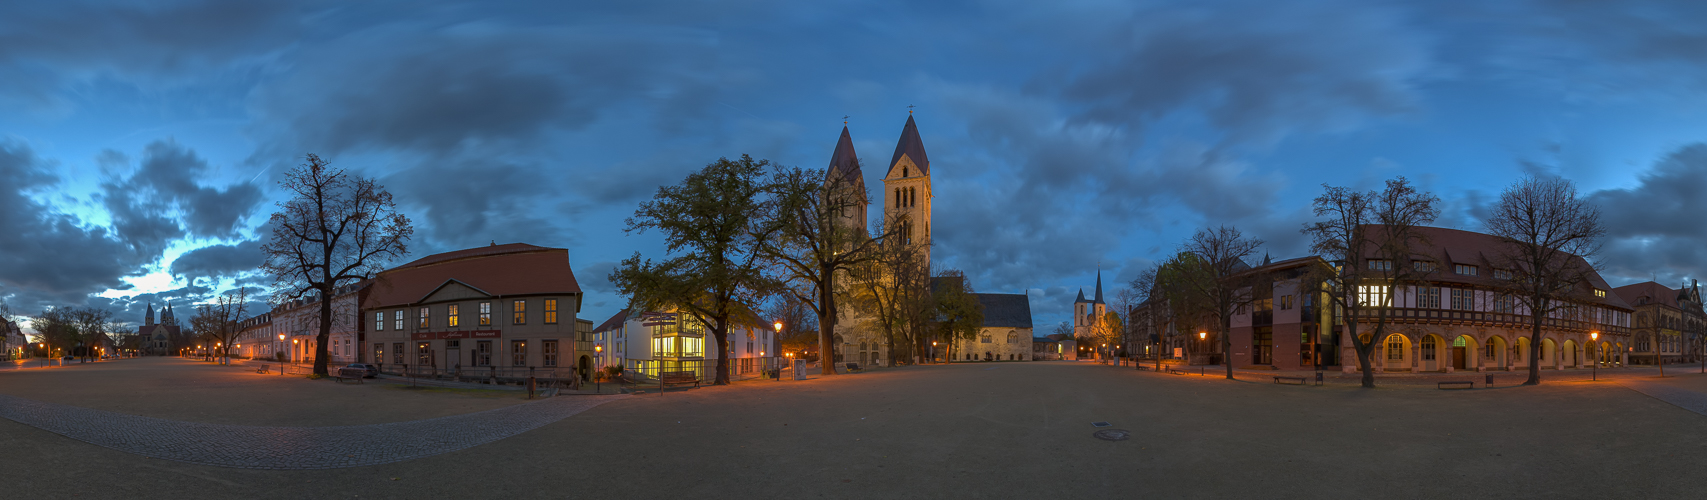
(500, 270)
(1655, 293)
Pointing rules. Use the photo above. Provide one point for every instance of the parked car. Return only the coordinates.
(368, 371)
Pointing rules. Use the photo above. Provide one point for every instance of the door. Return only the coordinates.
(1458, 358)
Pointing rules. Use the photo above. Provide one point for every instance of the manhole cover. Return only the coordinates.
(1112, 434)
(1100, 424)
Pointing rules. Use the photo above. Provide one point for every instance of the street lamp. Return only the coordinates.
(1594, 347)
(598, 382)
(778, 340)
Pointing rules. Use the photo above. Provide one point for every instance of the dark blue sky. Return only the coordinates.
(141, 143)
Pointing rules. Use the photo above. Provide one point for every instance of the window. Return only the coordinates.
(550, 311)
(1505, 303)
(379, 351)
(518, 353)
(1287, 301)
(451, 318)
(521, 312)
(424, 352)
(1464, 269)
(984, 339)
(1380, 265)
(1599, 293)
(1642, 343)
(1463, 300)
(1428, 348)
(1502, 274)
(1423, 266)
(453, 344)
(379, 321)
(1372, 295)
(397, 352)
(485, 314)
(1428, 297)
(693, 346)
(397, 319)
(1489, 351)
(1013, 337)
(663, 346)
(1395, 348)
(425, 312)
(483, 353)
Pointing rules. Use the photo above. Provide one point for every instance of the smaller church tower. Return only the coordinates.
(148, 319)
(1088, 313)
(844, 174)
(166, 317)
(907, 188)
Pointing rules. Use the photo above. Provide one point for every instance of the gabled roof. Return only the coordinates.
(911, 146)
(614, 322)
(499, 270)
(1005, 310)
(1655, 293)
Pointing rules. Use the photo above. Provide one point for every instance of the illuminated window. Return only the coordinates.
(485, 314)
(1395, 348)
(1599, 293)
(424, 352)
(518, 353)
(521, 312)
(451, 316)
(1372, 295)
(693, 346)
(550, 311)
(424, 313)
(379, 321)
(1464, 269)
(397, 321)
(664, 346)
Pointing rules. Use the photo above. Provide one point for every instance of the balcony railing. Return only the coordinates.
(1488, 318)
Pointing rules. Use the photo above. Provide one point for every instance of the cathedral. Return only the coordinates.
(906, 201)
(160, 339)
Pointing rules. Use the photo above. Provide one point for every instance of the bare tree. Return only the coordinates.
(92, 327)
(337, 229)
(218, 320)
(799, 323)
(1218, 279)
(892, 290)
(819, 241)
(1369, 240)
(1548, 233)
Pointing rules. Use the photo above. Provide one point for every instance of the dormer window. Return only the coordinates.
(1502, 274)
(1423, 266)
(1465, 269)
(1380, 265)
(1599, 293)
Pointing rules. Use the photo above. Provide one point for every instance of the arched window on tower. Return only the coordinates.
(897, 197)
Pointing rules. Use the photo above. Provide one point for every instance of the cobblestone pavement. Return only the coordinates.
(1677, 396)
(287, 448)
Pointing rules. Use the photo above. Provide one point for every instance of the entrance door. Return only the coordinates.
(1458, 358)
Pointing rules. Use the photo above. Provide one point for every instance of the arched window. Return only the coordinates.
(903, 171)
(897, 197)
(1013, 336)
(1428, 347)
(1395, 347)
(1489, 352)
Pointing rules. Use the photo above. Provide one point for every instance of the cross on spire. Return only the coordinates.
(910, 108)
(844, 119)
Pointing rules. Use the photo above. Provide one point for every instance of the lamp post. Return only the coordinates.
(778, 340)
(1594, 347)
(933, 350)
(598, 381)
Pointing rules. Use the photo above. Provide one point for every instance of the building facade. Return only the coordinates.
(1005, 335)
(1462, 316)
(648, 343)
(507, 306)
(1667, 322)
(164, 338)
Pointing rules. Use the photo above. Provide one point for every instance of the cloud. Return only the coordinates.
(216, 261)
(48, 257)
(1654, 228)
(1257, 71)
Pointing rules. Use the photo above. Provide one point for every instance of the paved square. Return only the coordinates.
(997, 430)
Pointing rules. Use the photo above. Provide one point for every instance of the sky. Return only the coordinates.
(141, 143)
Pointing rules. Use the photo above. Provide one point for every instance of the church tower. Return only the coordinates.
(844, 173)
(907, 189)
(149, 319)
(1088, 313)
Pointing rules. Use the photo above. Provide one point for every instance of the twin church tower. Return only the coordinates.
(906, 185)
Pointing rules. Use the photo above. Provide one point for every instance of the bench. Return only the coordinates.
(852, 367)
(1289, 380)
(351, 373)
(1456, 384)
(666, 379)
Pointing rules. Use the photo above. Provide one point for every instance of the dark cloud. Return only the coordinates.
(1258, 70)
(156, 203)
(1655, 229)
(219, 260)
(595, 277)
(48, 257)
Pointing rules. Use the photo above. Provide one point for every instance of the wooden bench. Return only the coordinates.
(666, 379)
(1456, 384)
(852, 367)
(351, 373)
(1289, 380)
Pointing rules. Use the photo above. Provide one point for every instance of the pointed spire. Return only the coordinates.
(1081, 296)
(911, 146)
(843, 161)
(149, 319)
(1099, 283)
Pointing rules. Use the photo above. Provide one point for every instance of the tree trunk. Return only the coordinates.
(827, 323)
(721, 334)
(320, 361)
(1227, 342)
(1536, 315)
